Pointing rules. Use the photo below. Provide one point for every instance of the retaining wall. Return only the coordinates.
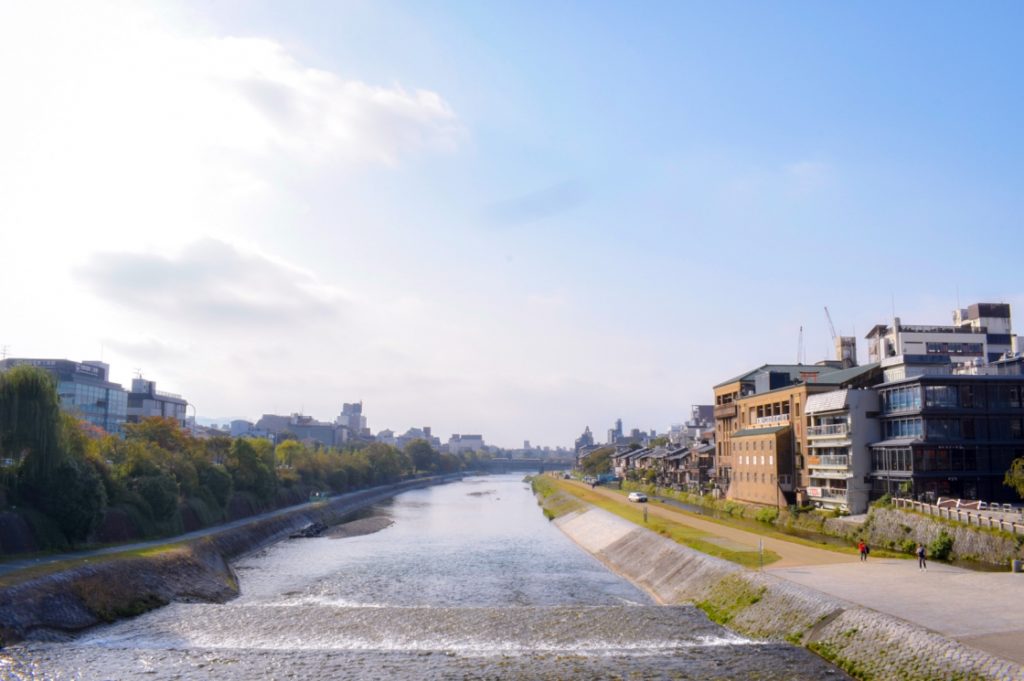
(865, 643)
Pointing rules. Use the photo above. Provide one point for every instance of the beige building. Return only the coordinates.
(760, 428)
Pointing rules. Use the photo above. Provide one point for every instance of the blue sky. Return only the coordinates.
(515, 219)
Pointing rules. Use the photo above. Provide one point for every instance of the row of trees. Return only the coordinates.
(70, 479)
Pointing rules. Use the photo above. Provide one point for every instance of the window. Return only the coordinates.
(941, 396)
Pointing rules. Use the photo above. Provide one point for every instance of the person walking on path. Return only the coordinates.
(863, 549)
(921, 563)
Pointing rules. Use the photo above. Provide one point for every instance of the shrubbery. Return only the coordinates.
(69, 473)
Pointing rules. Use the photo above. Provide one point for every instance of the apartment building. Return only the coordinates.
(841, 425)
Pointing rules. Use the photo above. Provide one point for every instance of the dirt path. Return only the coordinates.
(792, 554)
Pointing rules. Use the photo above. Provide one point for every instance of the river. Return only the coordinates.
(469, 582)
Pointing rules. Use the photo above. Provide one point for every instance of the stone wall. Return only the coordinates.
(896, 529)
(865, 643)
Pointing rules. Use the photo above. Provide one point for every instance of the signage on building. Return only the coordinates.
(814, 492)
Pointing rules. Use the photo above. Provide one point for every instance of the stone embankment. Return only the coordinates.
(92, 591)
(902, 530)
(865, 643)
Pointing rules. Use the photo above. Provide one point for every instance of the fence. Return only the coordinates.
(976, 518)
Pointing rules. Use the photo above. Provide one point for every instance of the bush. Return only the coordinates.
(884, 501)
(942, 547)
(767, 515)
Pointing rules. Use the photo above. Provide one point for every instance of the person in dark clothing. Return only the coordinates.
(921, 563)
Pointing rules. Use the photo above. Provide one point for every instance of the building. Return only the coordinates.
(301, 427)
(841, 425)
(465, 443)
(84, 389)
(981, 334)
(949, 435)
(351, 417)
(145, 401)
(760, 429)
(584, 441)
(615, 433)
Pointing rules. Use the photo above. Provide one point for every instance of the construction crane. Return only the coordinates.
(831, 326)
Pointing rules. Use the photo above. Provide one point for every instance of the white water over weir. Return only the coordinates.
(470, 581)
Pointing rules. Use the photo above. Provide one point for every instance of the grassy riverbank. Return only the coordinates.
(560, 497)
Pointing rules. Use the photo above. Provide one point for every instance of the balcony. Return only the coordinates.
(725, 411)
(830, 430)
(829, 461)
(827, 493)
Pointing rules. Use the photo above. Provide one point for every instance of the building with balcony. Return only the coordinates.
(841, 425)
(760, 432)
(84, 389)
(951, 436)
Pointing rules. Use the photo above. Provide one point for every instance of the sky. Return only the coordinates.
(508, 218)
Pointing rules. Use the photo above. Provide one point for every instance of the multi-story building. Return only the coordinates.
(992, 319)
(465, 443)
(584, 441)
(352, 418)
(841, 425)
(760, 431)
(84, 389)
(949, 435)
(145, 401)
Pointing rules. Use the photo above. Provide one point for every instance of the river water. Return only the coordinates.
(470, 582)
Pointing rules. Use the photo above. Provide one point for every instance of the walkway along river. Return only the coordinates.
(470, 581)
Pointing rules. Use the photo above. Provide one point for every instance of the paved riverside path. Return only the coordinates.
(984, 610)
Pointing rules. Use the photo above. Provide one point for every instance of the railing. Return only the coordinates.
(777, 418)
(725, 411)
(839, 460)
(829, 429)
(826, 493)
(976, 518)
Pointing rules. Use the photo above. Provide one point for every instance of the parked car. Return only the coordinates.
(638, 497)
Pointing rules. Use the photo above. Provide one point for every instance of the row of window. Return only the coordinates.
(944, 429)
(753, 460)
(747, 476)
(932, 459)
(970, 396)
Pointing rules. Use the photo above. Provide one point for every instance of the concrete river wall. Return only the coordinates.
(865, 643)
(92, 591)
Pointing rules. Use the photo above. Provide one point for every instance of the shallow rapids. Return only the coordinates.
(470, 581)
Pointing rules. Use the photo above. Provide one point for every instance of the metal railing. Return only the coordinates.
(829, 429)
(976, 518)
(840, 460)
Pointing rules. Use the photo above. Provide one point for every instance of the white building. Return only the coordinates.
(838, 459)
(465, 443)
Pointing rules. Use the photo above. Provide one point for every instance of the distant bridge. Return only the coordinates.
(534, 465)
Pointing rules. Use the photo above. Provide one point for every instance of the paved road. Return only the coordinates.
(980, 609)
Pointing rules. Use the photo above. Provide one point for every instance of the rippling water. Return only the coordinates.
(469, 582)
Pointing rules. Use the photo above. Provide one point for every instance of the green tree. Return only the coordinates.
(422, 455)
(165, 433)
(249, 470)
(216, 481)
(30, 421)
(74, 498)
(598, 461)
(1015, 476)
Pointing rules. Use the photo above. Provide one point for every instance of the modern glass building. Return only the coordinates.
(84, 390)
(950, 436)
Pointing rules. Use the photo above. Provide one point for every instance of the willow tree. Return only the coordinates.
(30, 420)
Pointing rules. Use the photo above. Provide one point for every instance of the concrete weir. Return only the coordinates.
(865, 643)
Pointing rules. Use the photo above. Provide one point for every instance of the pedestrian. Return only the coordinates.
(862, 548)
(921, 563)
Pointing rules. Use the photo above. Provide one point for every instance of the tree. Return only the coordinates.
(30, 421)
(422, 455)
(1015, 476)
(165, 433)
(74, 498)
(598, 461)
(249, 471)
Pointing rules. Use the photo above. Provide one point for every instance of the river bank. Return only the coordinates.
(74, 594)
(865, 643)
